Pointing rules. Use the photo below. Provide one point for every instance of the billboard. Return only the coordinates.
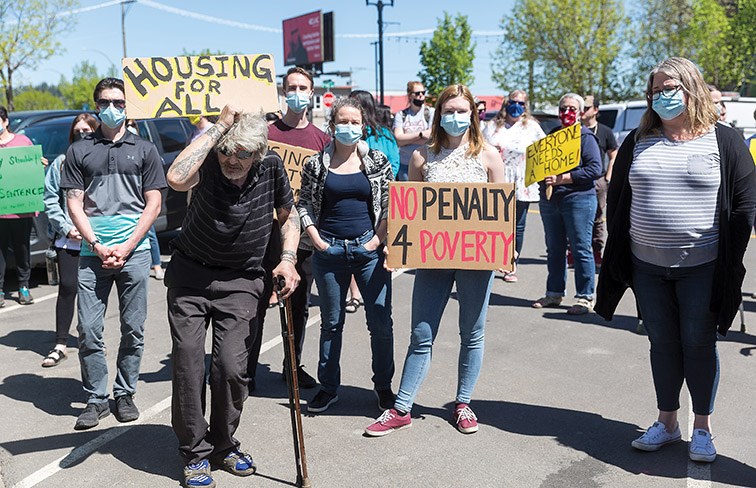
(308, 39)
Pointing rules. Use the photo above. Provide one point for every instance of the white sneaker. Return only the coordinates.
(657, 437)
(701, 447)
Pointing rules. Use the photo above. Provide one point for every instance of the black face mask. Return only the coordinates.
(418, 103)
(77, 136)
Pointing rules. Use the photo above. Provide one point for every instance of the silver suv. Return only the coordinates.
(622, 117)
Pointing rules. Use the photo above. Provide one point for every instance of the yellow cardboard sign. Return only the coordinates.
(753, 149)
(555, 154)
(294, 159)
(182, 86)
(451, 225)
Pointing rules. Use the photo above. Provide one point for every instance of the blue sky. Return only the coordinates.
(167, 27)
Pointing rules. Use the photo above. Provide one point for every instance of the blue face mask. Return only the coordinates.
(455, 124)
(297, 101)
(348, 134)
(515, 110)
(112, 117)
(669, 108)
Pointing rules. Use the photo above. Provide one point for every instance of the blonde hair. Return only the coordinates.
(501, 116)
(439, 137)
(250, 133)
(411, 86)
(699, 110)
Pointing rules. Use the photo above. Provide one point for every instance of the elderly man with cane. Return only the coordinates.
(216, 274)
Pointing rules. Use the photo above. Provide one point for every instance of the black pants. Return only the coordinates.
(16, 234)
(68, 273)
(300, 309)
(232, 311)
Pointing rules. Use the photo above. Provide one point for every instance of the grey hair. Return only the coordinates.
(249, 133)
(575, 97)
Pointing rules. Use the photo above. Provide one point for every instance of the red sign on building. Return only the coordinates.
(303, 39)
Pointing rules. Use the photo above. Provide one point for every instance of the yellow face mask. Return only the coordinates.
(194, 119)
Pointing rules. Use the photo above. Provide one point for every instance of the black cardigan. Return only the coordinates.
(737, 206)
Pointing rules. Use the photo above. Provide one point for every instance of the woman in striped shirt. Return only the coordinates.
(680, 208)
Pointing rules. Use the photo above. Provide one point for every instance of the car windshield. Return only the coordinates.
(52, 137)
(633, 117)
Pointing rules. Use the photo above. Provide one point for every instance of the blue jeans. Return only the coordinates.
(521, 216)
(154, 247)
(95, 284)
(674, 303)
(570, 218)
(430, 295)
(333, 270)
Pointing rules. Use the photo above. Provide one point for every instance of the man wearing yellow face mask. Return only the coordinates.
(201, 124)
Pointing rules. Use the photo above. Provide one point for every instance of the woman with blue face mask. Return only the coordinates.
(457, 153)
(343, 204)
(679, 208)
(511, 132)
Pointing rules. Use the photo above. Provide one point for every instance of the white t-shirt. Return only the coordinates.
(512, 143)
(412, 124)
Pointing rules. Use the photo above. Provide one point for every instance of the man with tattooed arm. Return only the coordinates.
(216, 275)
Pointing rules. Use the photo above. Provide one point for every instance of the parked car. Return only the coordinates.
(548, 121)
(622, 117)
(50, 130)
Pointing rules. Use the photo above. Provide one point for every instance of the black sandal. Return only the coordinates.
(353, 304)
(54, 358)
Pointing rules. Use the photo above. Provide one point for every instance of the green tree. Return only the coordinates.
(555, 46)
(30, 29)
(78, 92)
(447, 58)
(33, 99)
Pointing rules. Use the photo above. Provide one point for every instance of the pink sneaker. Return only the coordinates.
(467, 422)
(387, 423)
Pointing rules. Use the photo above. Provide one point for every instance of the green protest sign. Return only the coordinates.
(22, 180)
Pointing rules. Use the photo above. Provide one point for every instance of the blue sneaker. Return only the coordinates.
(197, 475)
(238, 463)
(24, 297)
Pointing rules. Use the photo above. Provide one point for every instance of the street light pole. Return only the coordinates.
(379, 5)
(124, 11)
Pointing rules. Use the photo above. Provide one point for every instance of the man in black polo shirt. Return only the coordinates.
(216, 274)
(608, 148)
(113, 181)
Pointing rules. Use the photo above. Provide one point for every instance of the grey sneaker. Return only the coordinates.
(236, 462)
(125, 410)
(657, 437)
(24, 297)
(91, 415)
(197, 475)
(2, 299)
(701, 447)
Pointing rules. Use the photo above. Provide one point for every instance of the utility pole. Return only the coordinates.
(124, 11)
(380, 4)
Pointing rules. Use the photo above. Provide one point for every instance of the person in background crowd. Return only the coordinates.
(66, 240)
(113, 206)
(511, 132)
(216, 275)
(344, 209)
(608, 149)
(569, 214)
(384, 118)
(201, 124)
(457, 153)
(719, 106)
(412, 126)
(377, 136)
(296, 130)
(681, 205)
(480, 108)
(15, 229)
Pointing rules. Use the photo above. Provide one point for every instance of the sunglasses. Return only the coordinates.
(240, 154)
(481, 110)
(418, 93)
(568, 109)
(104, 103)
(515, 102)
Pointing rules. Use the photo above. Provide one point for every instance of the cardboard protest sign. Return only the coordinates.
(555, 154)
(22, 180)
(451, 225)
(753, 149)
(294, 158)
(181, 86)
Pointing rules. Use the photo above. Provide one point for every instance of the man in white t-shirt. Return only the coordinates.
(412, 126)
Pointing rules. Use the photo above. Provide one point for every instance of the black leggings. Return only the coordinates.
(68, 272)
(16, 234)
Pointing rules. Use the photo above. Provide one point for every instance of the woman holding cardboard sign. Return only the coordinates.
(343, 204)
(457, 153)
(568, 207)
(680, 209)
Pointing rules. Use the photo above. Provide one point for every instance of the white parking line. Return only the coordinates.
(11, 308)
(87, 449)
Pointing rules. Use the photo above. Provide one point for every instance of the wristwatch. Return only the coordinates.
(93, 243)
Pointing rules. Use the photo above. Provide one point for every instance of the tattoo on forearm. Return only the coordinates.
(290, 229)
(182, 169)
(73, 192)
